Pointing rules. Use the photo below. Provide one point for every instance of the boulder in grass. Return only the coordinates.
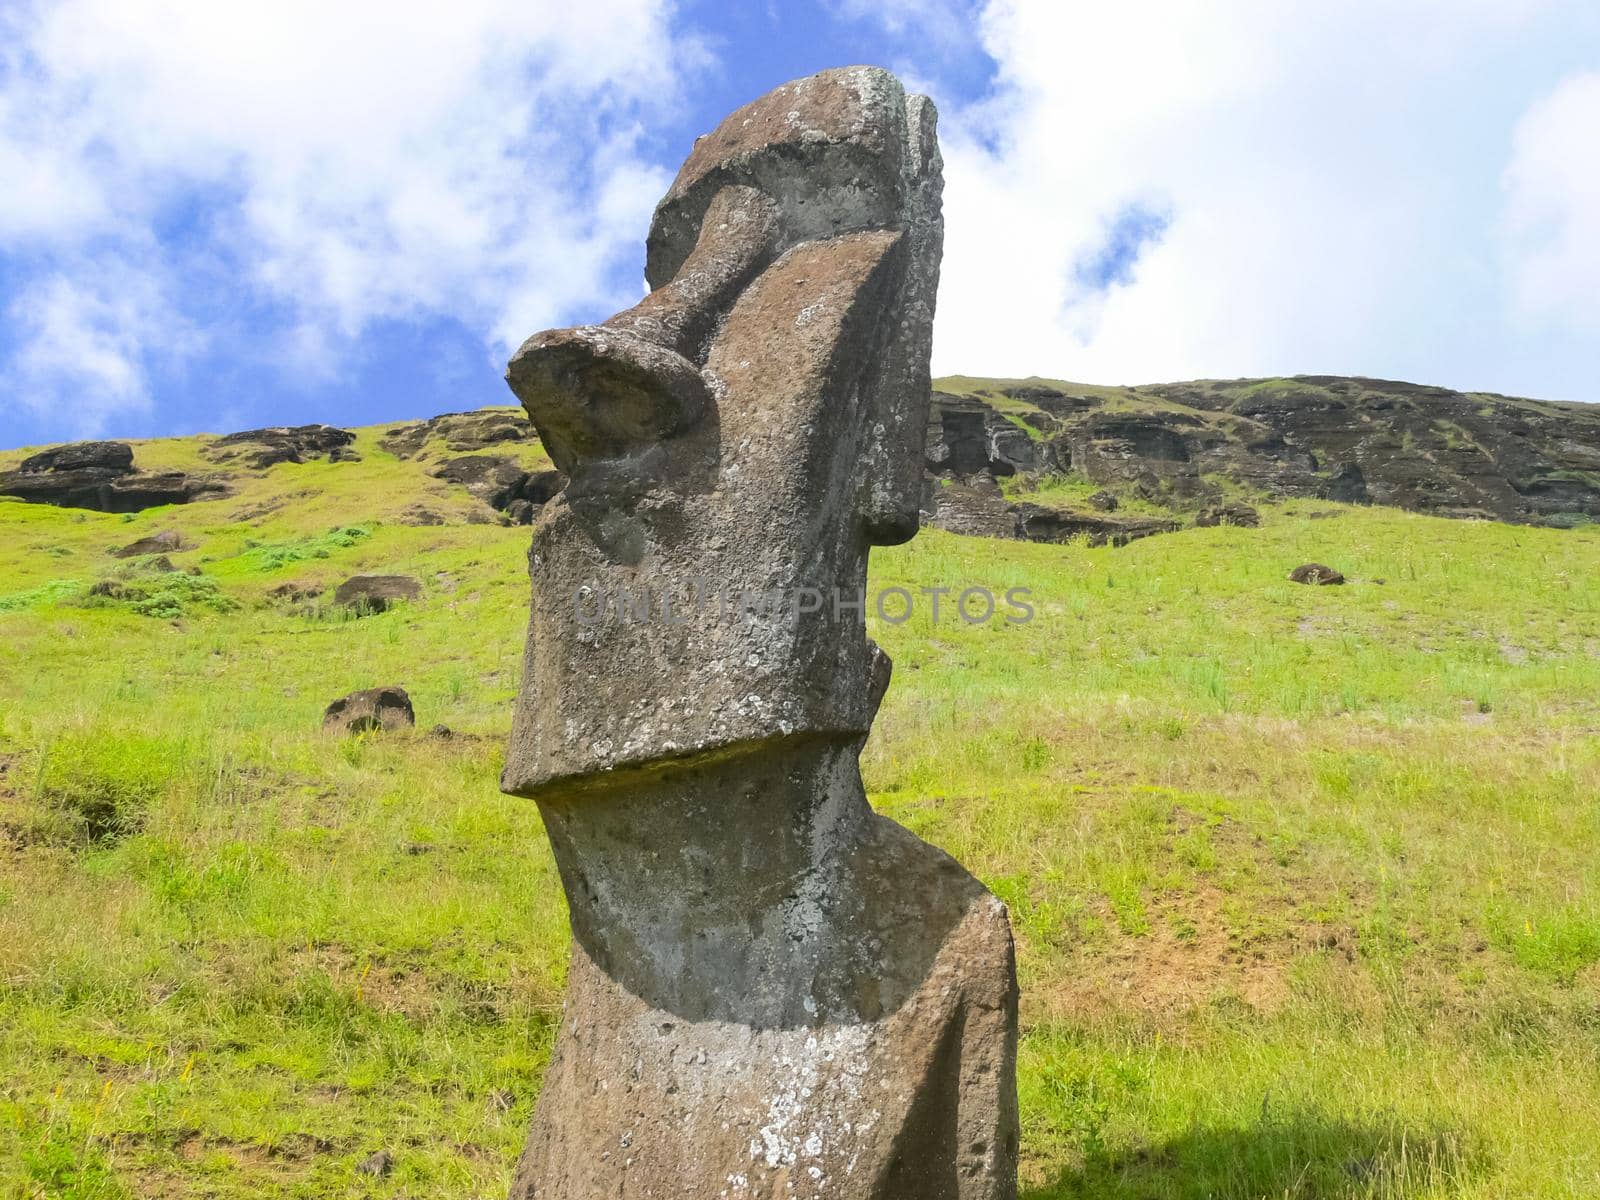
(376, 593)
(1242, 516)
(381, 708)
(378, 1165)
(168, 541)
(1315, 573)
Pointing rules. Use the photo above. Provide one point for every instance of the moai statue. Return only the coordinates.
(773, 991)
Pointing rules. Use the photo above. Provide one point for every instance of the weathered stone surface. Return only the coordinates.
(100, 476)
(1352, 440)
(493, 480)
(110, 490)
(77, 456)
(773, 992)
(459, 433)
(168, 541)
(376, 593)
(378, 1164)
(263, 448)
(381, 708)
(975, 507)
(502, 484)
(1037, 523)
(978, 508)
(1242, 515)
(1315, 573)
(967, 437)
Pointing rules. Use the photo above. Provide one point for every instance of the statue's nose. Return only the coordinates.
(595, 392)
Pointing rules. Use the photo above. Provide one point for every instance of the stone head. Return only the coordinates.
(735, 443)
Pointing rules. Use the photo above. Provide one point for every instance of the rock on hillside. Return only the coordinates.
(263, 448)
(101, 476)
(1186, 445)
(1038, 459)
(461, 433)
(502, 484)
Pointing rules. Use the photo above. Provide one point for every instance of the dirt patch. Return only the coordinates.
(1201, 945)
(1188, 960)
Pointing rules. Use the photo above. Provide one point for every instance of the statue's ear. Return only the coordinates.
(598, 393)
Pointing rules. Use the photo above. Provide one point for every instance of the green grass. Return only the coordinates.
(1306, 881)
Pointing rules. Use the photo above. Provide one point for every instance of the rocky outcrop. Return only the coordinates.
(977, 507)
(1352, 440)
(263, 448)
(1243, 516)
(114, 457)
(773, 992)
(1037, 523)
(381, 708)
(459, 433)
(101, 476)
(503, 484)
(968, 437)
(168, 541)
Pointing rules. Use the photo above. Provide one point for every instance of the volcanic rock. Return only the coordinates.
(263, 448)
(168, 541)
(1036, 523)
(1350, 440)
(460, 432)
(1242, 515)
(1315, 573)
(110, 489)
(495, 481)
(296, 591)
(116, 457)
(376, 593)
(381, 708)
(967, 437)
(502, 484)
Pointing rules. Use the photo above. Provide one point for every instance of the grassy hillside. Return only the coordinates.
(1306, 881)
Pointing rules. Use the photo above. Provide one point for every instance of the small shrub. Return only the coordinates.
(173, 595)
(165, 597)
(270, 556)
(45, 593)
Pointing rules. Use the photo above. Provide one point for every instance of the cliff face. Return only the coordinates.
(1189, 446)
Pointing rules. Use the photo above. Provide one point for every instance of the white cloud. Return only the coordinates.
(1331, 175)
(1553, 207)
(940, 25)
(347, 163)
(84, 349)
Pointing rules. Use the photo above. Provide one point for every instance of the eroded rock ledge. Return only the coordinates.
(101, 476)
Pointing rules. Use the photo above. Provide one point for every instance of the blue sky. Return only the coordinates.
(224, 216)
